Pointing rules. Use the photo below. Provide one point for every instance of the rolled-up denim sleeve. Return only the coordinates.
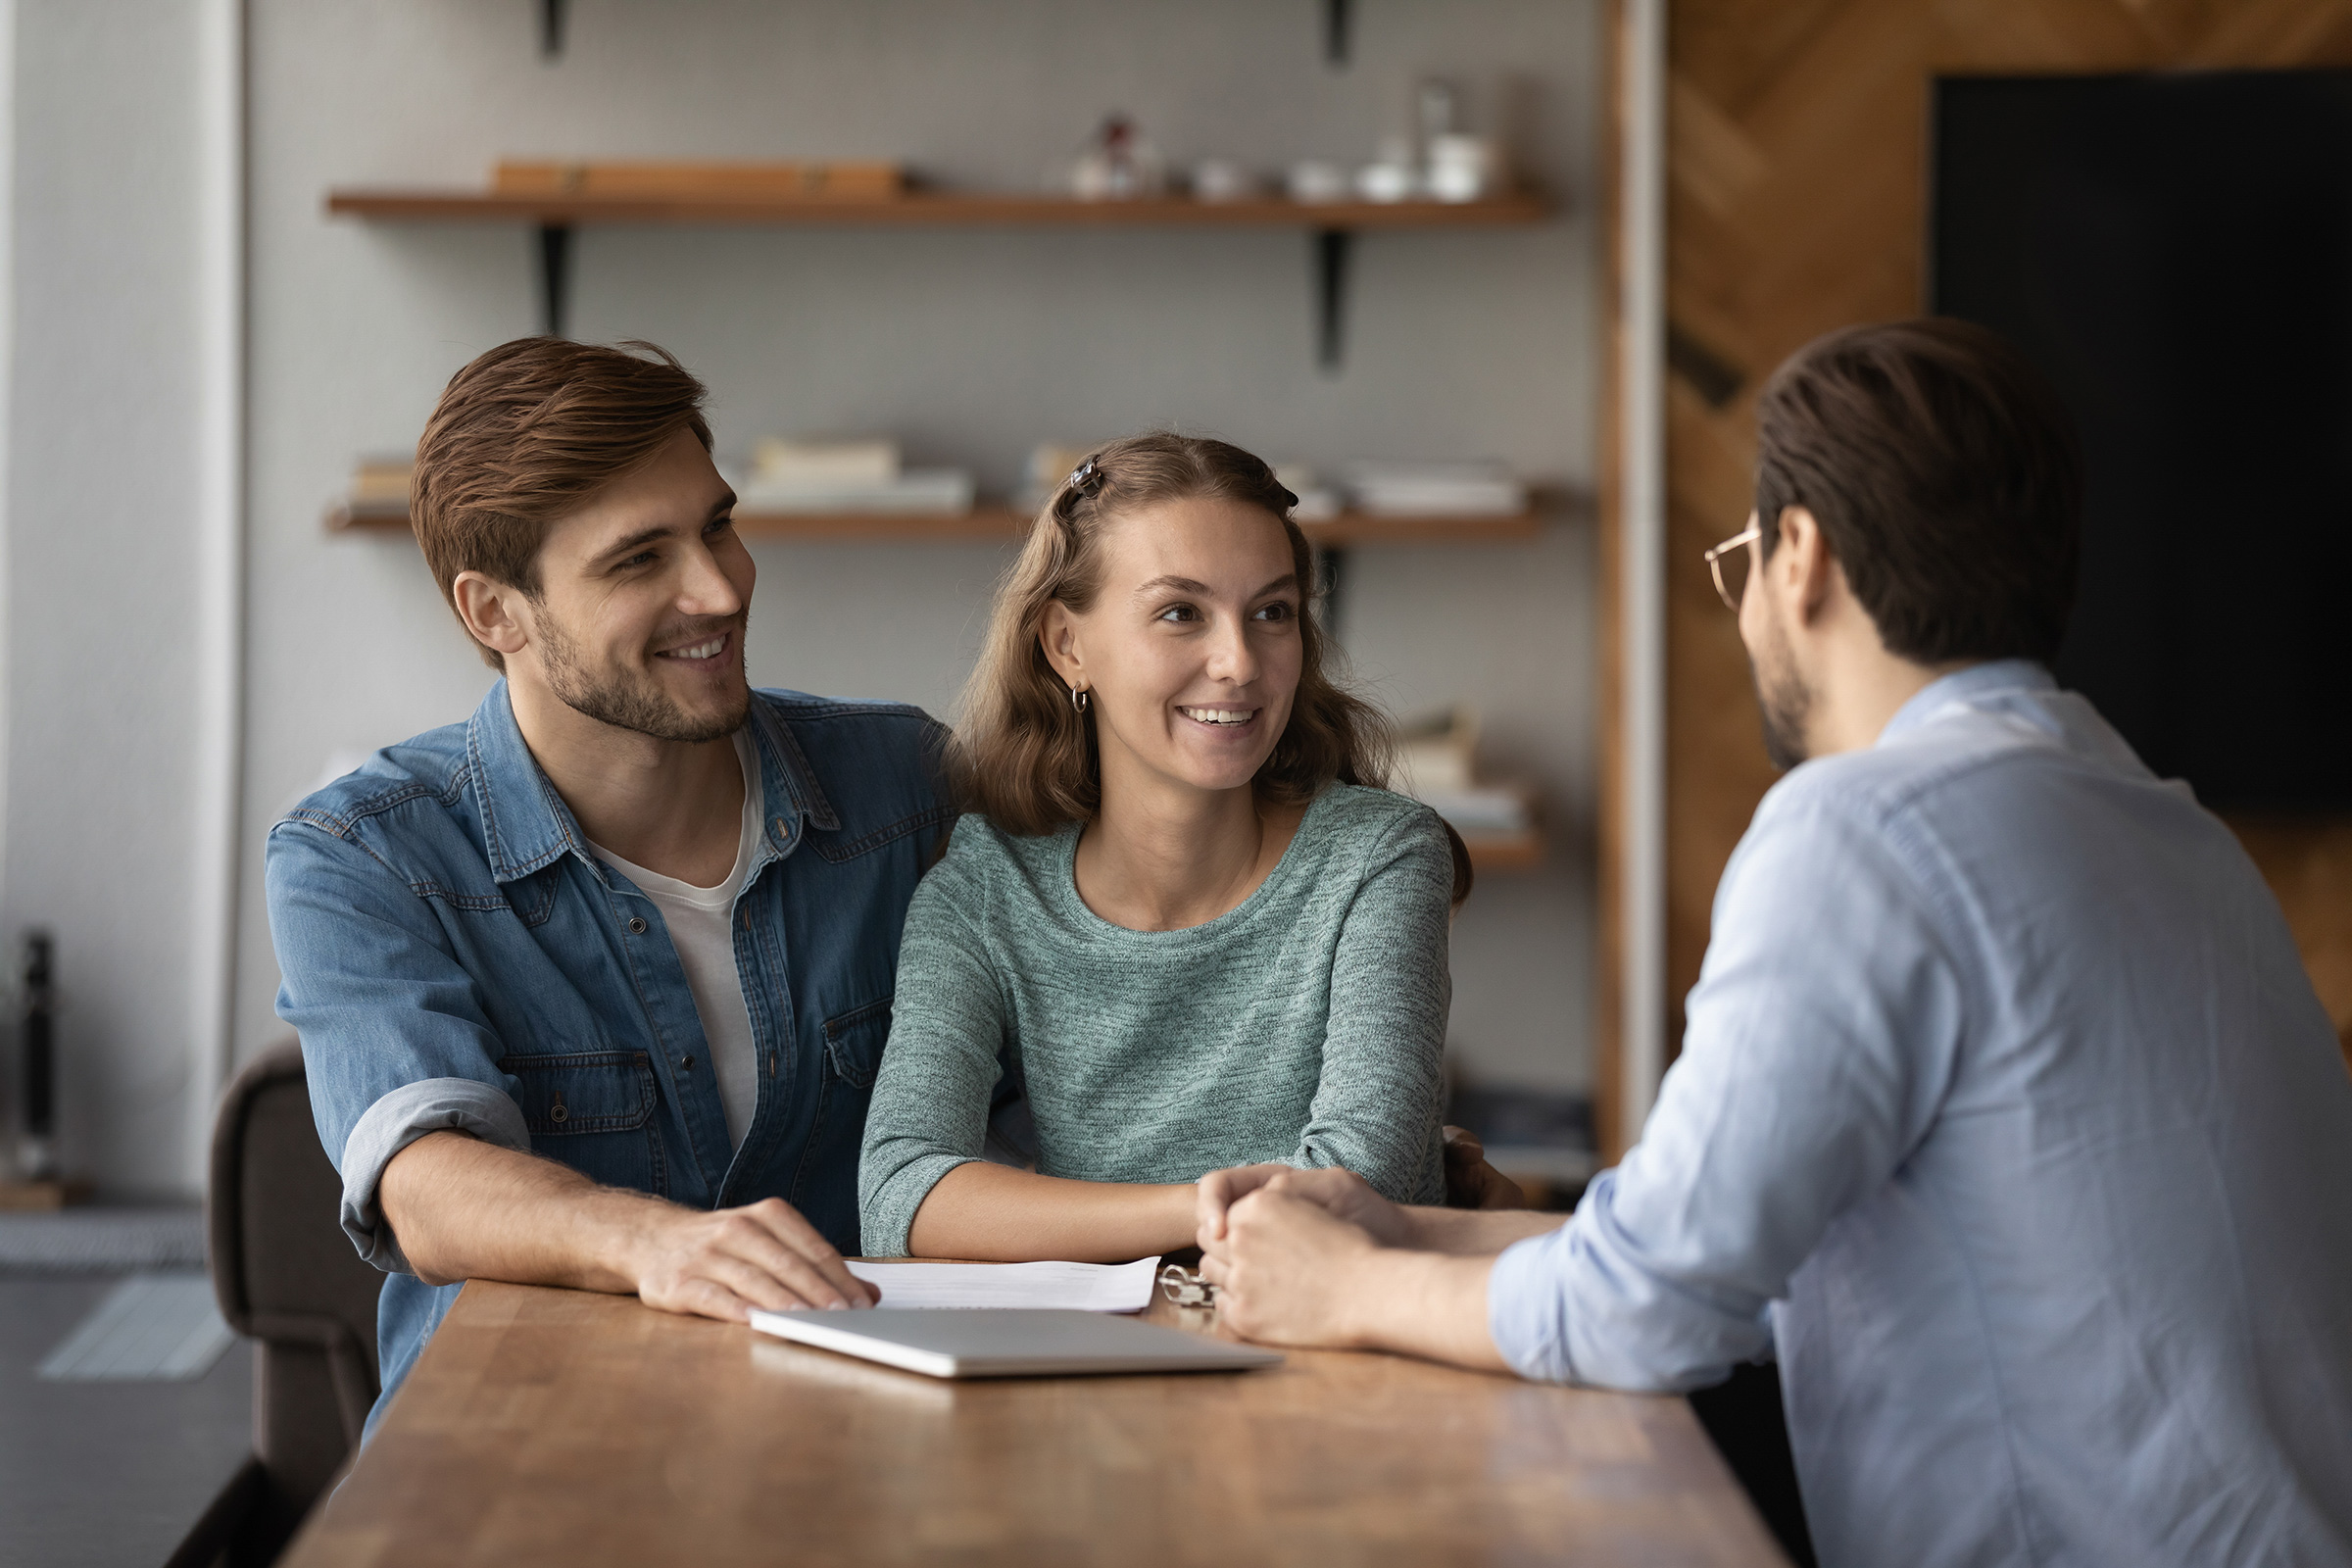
(1821, 1038)
(395, 1039)
(392, 1124)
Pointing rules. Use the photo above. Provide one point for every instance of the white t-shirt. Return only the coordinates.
(701, 928)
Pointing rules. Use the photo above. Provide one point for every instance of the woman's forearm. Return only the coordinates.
(995, 1214)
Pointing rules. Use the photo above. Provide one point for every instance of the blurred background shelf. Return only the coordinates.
(1332, 224)
(1505, 852)
(1004, 523)
(940, 208)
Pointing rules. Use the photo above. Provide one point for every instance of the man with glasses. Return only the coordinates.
(2005, 1112)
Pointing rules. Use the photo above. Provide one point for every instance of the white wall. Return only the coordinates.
(104, 434)
(968, 345)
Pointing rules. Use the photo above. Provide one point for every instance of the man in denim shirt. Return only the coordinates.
(592, 987)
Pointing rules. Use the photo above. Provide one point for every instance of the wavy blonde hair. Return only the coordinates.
(1026, 755)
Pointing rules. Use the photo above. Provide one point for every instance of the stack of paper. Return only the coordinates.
(858, 475)
(1473, 489)
(1437, 750)
(1489, 809)
(1070, 1287)
(1436, 763)
(1317, 501)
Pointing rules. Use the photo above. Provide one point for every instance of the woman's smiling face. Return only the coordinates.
(1191, 651)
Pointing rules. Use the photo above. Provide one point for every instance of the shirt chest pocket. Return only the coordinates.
(594, 1112)
(853, 1043)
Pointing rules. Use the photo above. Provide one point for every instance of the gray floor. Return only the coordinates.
(98, 1239)
(108, 1474)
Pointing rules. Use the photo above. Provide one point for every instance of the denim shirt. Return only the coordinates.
(456, 957)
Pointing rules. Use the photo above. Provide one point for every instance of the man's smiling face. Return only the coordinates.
(642, 598)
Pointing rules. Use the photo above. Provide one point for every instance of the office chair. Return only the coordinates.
(286, 1276)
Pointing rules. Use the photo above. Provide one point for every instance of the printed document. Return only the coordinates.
(1080, 1287)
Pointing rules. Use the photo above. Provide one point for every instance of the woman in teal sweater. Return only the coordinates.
(1184, 916)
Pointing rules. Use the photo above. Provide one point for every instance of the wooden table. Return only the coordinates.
(557, 1427)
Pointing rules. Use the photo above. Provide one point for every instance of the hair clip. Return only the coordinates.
(1085, 474)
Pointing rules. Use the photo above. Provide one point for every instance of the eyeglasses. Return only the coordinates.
(1727, 563)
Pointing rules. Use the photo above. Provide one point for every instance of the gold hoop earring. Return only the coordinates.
(1078, 698)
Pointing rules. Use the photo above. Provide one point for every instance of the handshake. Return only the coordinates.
(1316, 1258)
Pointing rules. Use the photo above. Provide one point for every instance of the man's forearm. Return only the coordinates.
(1426, 1305)
(464, 1209)
(1475, 1232)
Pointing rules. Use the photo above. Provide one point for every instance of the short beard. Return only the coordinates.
(633, 703)
(1783, 698)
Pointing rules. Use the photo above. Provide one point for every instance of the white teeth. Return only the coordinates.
(706, 650)
(1219, 715)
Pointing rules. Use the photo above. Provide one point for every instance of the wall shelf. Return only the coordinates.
(1504, 851)
(935, 209)
(1004, 523)
(1333, 226)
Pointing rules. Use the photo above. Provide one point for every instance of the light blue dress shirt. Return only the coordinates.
(2006, 1111)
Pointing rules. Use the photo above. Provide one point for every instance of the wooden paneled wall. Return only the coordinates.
(1797, 202)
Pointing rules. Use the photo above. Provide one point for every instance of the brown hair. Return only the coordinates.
(529, 432)
(1945, 475)
(1026, 755)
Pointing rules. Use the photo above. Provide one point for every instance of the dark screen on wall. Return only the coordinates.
(2176, 254)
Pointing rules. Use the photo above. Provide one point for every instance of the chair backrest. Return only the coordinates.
(286, 1275)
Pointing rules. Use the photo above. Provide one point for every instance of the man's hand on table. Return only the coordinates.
(1343, 1193)
(462, 1208)
(726, 1263)
(1316, 1258)
(1289, 1250)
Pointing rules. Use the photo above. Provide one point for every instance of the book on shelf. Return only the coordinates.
(857, 460)
(378, 489)
(1456, 489)
(795, 181)
(915, 491)
(1436, 763)
(1482, 810)
(860, 474)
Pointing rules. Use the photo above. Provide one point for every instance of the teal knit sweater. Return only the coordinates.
(1306, 1025)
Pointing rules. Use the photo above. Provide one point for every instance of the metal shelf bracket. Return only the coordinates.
(1335, 250)
(555, 277)
(1331, 585)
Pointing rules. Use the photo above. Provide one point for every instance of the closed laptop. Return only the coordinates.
(1010, 1341)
